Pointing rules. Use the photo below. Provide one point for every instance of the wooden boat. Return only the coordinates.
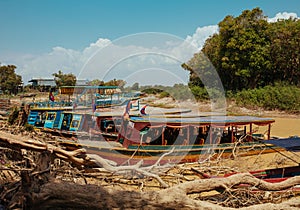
(275, 174)
(98, 96)
(48, 117)
(291, 143)
(174, 140)
(73, 118)
(62, 121)
(71, 124)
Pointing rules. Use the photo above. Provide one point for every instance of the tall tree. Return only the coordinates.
(9, 80)
(135, 86)
(120, 83)
(239, 52)
(62, 79)
(249, 52)
(243, 54)
(285, 50)
(96, 82)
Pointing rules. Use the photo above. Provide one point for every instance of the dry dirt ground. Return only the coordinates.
(185, 172)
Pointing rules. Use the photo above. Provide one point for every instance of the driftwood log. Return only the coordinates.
(37, 189)
(68, 195)
(18, 141)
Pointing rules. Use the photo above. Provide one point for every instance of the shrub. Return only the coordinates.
(280, 96)
(164, 94)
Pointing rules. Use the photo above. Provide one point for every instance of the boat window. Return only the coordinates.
(75, 123)
(51, 116)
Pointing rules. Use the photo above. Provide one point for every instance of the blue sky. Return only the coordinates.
(31, 28)
(39, 25)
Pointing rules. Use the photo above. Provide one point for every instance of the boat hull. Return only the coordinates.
(151, 154)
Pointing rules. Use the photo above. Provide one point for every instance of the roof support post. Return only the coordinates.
(250, 132)
(163, 136)
(232, 135)
(269, 131)
(210, 134)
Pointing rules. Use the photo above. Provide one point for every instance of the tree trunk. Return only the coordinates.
(64, 195)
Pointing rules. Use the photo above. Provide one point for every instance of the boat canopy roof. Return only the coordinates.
(69, 108)
(91, 87)
(69, 90)
(291, 143)
(203, 121)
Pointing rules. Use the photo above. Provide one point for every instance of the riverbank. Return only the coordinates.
(228, 107)
(286, 124)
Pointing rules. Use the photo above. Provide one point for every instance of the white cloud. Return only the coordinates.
(44, 65)
(137, 54)
(283, 15)
(201, 34)
(122, 58)
(94, 47)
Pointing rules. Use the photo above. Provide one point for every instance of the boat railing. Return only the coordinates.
(50, 104)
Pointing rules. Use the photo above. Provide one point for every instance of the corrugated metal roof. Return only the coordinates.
(43, 82)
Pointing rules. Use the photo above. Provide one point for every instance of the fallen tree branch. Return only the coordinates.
(204, 185)
(16, 142)
(63, 195)
(137, 167)
(80, 196)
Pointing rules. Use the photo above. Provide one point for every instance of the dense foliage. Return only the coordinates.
(177, 91)
(9, 80)
(280, 96)
(114, 82)
(249, 52)
(62, 79)
(258, 62)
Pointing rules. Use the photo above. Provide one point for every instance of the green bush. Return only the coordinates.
(152, 90)
(164, 94)
(280, 96)
(200, 93)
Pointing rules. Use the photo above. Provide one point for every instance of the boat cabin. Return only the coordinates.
(191, 131)
(52, 119)
(74, 121)
(48, 117)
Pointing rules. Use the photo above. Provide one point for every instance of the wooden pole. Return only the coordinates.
(188, 135)
(210, 135)
(269, 131)
(250, 131)
(163, 136)
(232, 136)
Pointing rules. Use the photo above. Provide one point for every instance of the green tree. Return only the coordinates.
(9, 80)
(135, 86)
(120, 83)
(248, 52)
(62, 79)
(285, 50)
(244, 54)
(202, 72)
(240, 53)
(96, 82)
